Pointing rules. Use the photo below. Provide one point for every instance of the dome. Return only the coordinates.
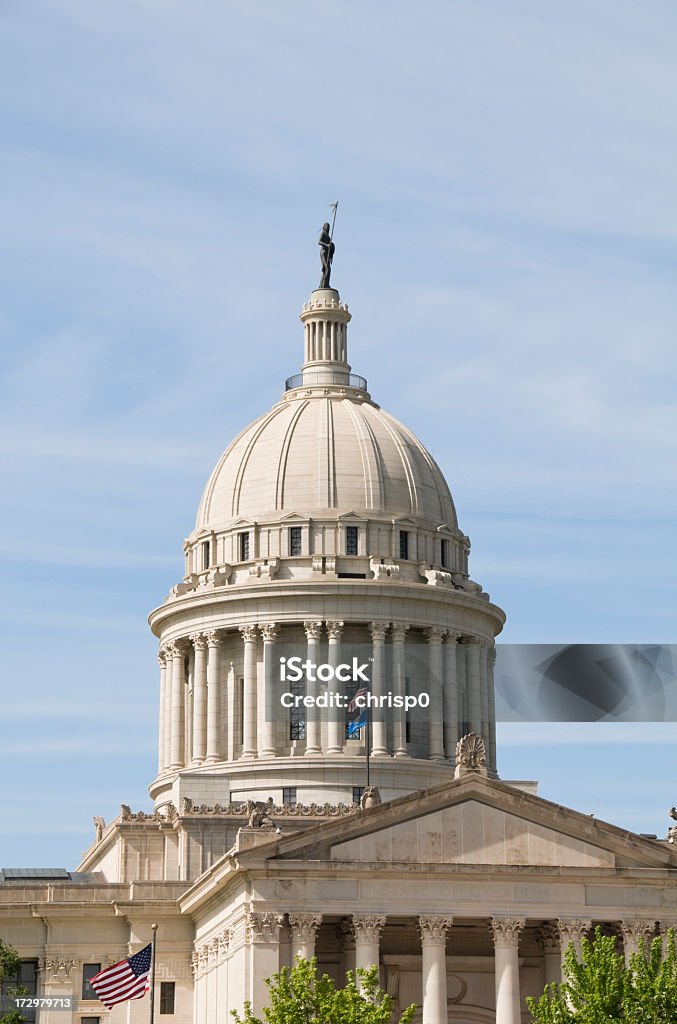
(315, 452)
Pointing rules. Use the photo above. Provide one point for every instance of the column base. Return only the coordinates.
(313, 752)
(213, 759)
(248, 755)
(268, 753)
(401, 753)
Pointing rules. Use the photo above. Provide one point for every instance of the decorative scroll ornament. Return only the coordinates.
(471, 756)
(506, 930)
(239, 810)
(433, 928)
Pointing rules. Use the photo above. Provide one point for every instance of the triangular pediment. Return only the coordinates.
(291, 517)
(473, 820)
(352, 517)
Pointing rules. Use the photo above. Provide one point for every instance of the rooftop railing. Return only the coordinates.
(319, 377)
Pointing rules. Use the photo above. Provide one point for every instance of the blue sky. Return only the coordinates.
(506, 242)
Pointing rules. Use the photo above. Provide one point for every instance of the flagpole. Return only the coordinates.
(368, 738)
(152, 972)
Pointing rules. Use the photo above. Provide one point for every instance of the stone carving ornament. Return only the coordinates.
(433, 928)
(471, 754)
(368, 927)
(506, 930)
(304, 926)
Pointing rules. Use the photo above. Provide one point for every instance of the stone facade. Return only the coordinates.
(326, 524)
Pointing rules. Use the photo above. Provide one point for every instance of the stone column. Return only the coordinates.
(313, 732)
(249, 739)
(336, 721)
(450, 696)
(473, 685)
(548, 936)
(346, 933)
(176, 746)
(262, 937)
(162, 661)
(634, 933)
(167, 723)
(434, 637)
(303, 931)
(271, 634)
(368, 929)
(433, 931)
(491, 726)
(379, 735)
(399, 688)
(571, 930)
(199, 642)
(214, 738)
(484, 693)
(506, 931)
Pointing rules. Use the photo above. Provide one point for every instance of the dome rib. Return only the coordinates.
(406, 464)
(361, 427)
(284, 455)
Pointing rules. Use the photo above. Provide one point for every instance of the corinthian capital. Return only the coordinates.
(335, 630)
(249, 633)
(263, 927)
(304, 926)
(368, 927)
(270, 631)
(378, 630)
(434, 634)
(213, 638)
(572, 929)
(199, 640)
(399, 632)
(506, 930)
(313, 629)
(433, 928)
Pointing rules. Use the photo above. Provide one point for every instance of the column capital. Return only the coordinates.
(378, 630)
(270, 631)
(304, 926)
(313, 629)
(506, 930)
(433, 928)
(335, 629)
(162, 657)
(263, 927)
(434, 634)
(368, 927)
(491, 655)
(469, 641)
(548, 936)
(572, 929)
(214, 637)
(398, 632)
(176, 648)
(453, 636)
(249, 633)
(637, 930)
(199, 640)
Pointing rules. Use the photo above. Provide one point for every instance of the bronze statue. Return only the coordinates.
(326, 255)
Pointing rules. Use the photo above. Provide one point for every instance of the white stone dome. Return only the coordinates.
(315, 453)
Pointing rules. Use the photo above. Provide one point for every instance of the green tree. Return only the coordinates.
(9, 968)
(599, 988)
(299, 996)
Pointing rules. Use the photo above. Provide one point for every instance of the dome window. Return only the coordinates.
(295, 538)
(444, 553)
(404, 544)
(352, 538)
(243, 546)
(206, 559)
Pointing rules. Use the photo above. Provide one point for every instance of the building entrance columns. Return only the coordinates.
(367, 928)
(506, 932)
(433, 931)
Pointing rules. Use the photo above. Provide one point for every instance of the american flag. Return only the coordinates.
(126, 980)
(362, 692)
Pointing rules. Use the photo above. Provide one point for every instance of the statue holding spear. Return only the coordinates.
(327, 249)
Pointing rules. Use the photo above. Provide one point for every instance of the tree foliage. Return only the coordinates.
(600, 988)
(299, 996)
(10, 963)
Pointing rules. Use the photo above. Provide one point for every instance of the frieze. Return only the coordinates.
(241, 810)
(210, 954)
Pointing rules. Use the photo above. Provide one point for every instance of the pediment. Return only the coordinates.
(352, 516)
(474, 821)
(291, 517)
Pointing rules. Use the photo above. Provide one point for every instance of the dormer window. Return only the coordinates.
(352, 540)
(295, 540)
(243, 546)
